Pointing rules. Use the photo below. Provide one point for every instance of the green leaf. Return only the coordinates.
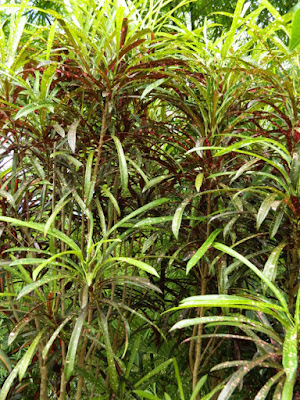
(178, 216)
(40, 228)
(290, 361)
(259, 273)
(295, 35)
(54, 336)
(198, 387)
(152, 221)
(68, 157)
(155, 371)
(29, 108)
(46, 279)
(73, 344)
(136, 263)
(198, 181)
(133, 354)
(152, 86)
(88, 173)
(113, 375)
(28, 355)
(50, 39)
(8, 382)
(265, 208)
(122, 164)
(146, 395)
(262, 394)
(155, 181)
(202, 250)
(178, 378)
(112, 198)
(235, 22)
(5, 360)
(62, 202)
(146, 207)
(270, 268)
(276, 223)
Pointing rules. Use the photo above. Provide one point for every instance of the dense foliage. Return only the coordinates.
(149, 204)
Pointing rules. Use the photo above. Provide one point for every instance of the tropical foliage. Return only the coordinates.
(149, 203)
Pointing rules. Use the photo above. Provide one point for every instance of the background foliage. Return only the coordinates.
(149, 194)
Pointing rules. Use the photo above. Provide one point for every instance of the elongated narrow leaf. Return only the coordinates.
(152, 86)
(275, 224)
(152, 221)
(176, 223)
(5, 360)
(54, 335)
(8, 382)
(198, 387)
(9, 197)
(73, 344)
(155, 181)
(265, 208)
(236, 377)
(235, 22)
(259, 273)
(113, 375)
(40, 228)
(244, 168)
(30, 108)
(46, 279)
(202, 250)
(17, 328)
(72, 135)
(112, 198)
(263, 393)
(62, 202)
(155, 371)
(146, 395)
(178, 378)
(122, 164)
(50, 38)
(88, 174)
(290, 361)
(295, 36)
(25, 361)
(270, 268)
(134, 351)
(149, 206)
(136, 263)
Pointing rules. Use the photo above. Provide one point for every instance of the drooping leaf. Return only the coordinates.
(136, 263)
(152, 86)
(176, 223)
(265, 208)
(46, 279)
(155, 181)
(270, 268)
(5, 360)
(73, 343)
(26, 359)
(259, 273)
